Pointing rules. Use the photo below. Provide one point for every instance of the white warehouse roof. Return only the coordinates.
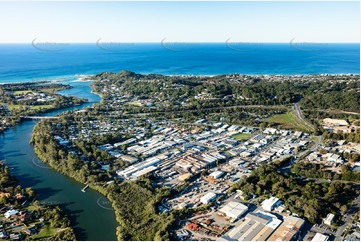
(234, 209)
(320, 237)
(208, 197)
(270, 203)
(216, 174)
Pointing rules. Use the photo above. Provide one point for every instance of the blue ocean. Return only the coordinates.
(26, 62)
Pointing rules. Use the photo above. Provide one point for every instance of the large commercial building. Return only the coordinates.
(209, 197)
(320, 237)
(129, 171)
(288, 230)
(329, 219)
(271, 203)
(256, 226)
(233, 210)
(216, 174)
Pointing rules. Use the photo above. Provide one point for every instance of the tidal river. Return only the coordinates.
(90, 212)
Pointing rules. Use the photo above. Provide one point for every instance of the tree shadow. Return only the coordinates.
(25, 180)
(73, 215)
(12, 153)
(46, 193)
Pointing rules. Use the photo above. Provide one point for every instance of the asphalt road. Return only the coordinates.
(299, 116)
(317, 144)
(348, 218)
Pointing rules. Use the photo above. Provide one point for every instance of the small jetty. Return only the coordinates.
(84, 188)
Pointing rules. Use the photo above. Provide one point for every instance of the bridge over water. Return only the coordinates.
(40, 117)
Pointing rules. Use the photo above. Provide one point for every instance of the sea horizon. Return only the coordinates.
(25, 62)
(193, 42)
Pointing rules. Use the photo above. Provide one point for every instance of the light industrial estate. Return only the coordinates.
(229, 157)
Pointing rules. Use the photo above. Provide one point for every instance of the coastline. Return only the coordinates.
(245, 74)
(66, 79)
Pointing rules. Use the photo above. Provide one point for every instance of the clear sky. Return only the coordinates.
(69, 22)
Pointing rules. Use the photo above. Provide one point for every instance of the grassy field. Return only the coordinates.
(22, 92)
(51, 90)
(241, 136)
(35, 107)
(46, 90)
(134, 103)
(287, 121)
(44, 233)
(31, 207)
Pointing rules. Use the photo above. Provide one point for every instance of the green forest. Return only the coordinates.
(313, 92)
